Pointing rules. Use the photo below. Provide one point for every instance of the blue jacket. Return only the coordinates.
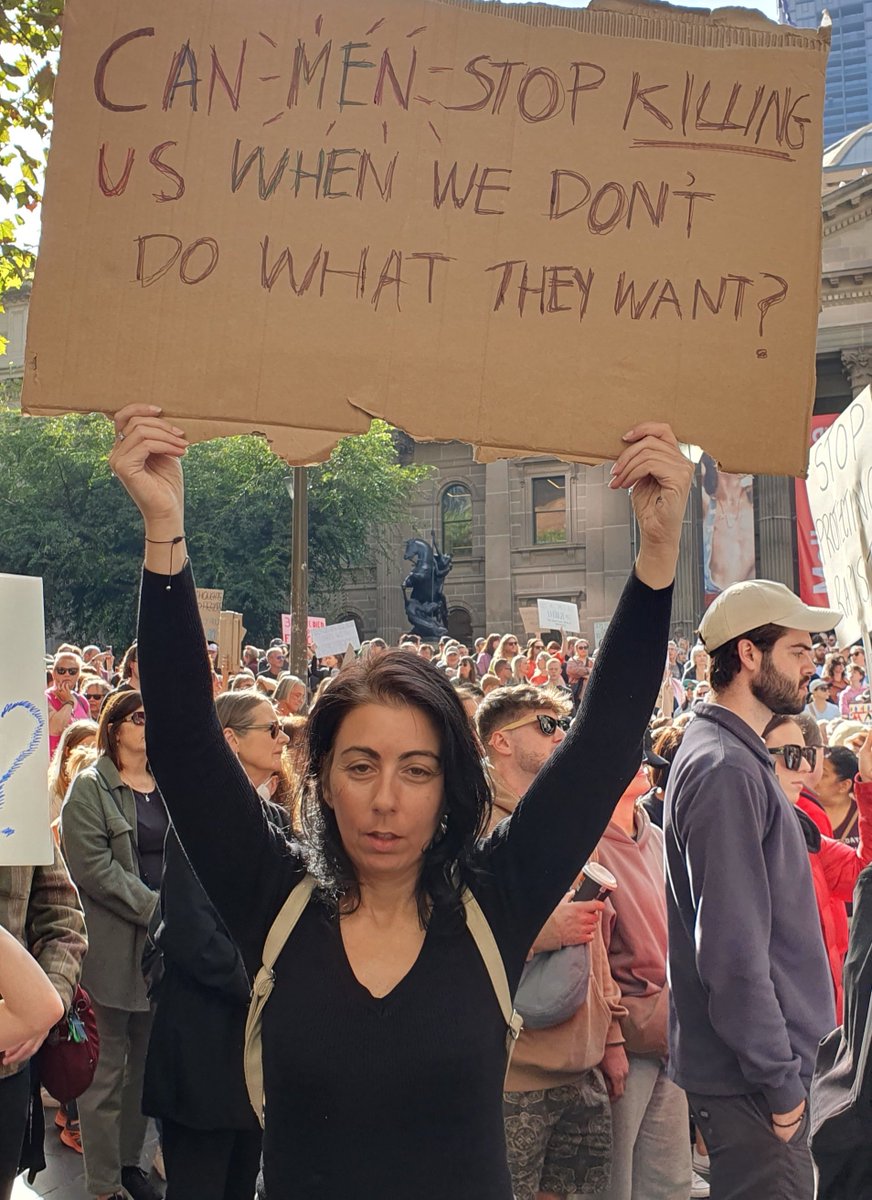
(751, 990)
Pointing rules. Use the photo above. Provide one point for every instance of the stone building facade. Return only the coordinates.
(582, 547)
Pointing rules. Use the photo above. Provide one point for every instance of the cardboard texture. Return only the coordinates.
(529, 615)
(456, 216)
(209, 602)
(231, 632)
(25, 831)
(840, 497)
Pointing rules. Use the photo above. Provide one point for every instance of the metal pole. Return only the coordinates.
(300, 576)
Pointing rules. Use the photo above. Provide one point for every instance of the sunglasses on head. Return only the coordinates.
(546, 724)
(274, 728)
(66, 670)
(793, 755)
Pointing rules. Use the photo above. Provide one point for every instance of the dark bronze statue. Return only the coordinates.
(426, 607)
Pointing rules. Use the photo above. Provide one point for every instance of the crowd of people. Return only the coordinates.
(722, 789)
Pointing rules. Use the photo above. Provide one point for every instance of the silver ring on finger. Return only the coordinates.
(120, 437)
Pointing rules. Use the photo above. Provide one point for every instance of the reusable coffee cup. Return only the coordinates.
(597, 883)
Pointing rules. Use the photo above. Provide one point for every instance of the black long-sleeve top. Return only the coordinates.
(401, 1096)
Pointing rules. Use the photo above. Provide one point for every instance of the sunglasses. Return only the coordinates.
(92, 696)
(793, 755)
(137, 718)
(274, 728)
(546, 724)
(66, 670)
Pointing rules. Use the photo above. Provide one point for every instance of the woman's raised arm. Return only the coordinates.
(242, 861)
(566, 809)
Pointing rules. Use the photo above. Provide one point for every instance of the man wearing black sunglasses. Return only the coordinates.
(555, 1086)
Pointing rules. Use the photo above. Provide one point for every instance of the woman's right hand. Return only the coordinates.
(146, 458)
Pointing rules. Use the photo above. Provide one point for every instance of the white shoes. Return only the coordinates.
(699, 1188)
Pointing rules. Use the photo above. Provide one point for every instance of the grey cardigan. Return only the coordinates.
(98, 839)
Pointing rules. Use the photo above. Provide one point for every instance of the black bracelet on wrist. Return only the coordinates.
(172, 543)
(790, 1124)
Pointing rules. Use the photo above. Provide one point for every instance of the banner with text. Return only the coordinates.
(335, 639)
(840, 497)
(812, 585)
(558, 614)
(430, 211)
(25, 832)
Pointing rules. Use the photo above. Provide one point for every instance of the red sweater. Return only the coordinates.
(834, 871)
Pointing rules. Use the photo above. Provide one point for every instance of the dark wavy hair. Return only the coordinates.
(397, 679)
(117, 707)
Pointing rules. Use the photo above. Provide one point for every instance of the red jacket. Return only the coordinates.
(834, 871)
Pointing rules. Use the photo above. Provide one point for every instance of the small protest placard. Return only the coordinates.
(599, 632)
(311, 623)
(335, 639)
(840, 497)
(209, 602)
(558, 614)
(25, 833)
(431, 212)
(529, 615)
(231, 631)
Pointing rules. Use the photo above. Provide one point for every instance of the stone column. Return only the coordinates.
(857, 365)
(497, 548)
(776, 529)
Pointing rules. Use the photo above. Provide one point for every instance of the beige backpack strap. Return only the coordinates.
(280, 931)
(486, 943)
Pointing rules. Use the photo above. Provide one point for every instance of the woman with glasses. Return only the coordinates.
(94, 692)
(833, 674)
(113, 827)
(834, 866)
(194, 1082)
(290, 696)
(65, 705)
(383, 1041)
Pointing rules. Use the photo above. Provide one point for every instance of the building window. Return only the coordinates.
(549, 510)
(457, 520)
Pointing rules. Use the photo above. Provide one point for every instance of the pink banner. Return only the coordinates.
(812, 588)
(312, 623)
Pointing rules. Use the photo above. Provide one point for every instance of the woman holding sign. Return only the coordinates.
(384, 1038)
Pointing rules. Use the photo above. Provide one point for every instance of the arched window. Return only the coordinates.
(457, 520)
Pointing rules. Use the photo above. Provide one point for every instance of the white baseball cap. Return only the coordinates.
(746, 606)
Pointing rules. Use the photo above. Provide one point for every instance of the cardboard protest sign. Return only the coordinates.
(840, 497)
(335, 639)
(558, 614)
(529, 618)
(25, 833)
(209, 602)
(440, 213)
(231, 631)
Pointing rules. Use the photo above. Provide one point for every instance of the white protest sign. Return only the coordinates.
(210, 601)
(335, 639)
(840, 498)
(599, 632)
(25, 833)
(558, 614)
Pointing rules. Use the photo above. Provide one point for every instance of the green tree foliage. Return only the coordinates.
(63, 517)
(29, 39)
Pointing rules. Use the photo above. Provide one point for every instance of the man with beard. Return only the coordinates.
(751, 995)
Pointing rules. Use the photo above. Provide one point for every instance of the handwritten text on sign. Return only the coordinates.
(25, 835)
(840, 497)
(432, 211)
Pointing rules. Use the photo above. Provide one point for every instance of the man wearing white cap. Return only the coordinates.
(751, 994)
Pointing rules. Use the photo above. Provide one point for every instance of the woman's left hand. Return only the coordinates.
(659, 478)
